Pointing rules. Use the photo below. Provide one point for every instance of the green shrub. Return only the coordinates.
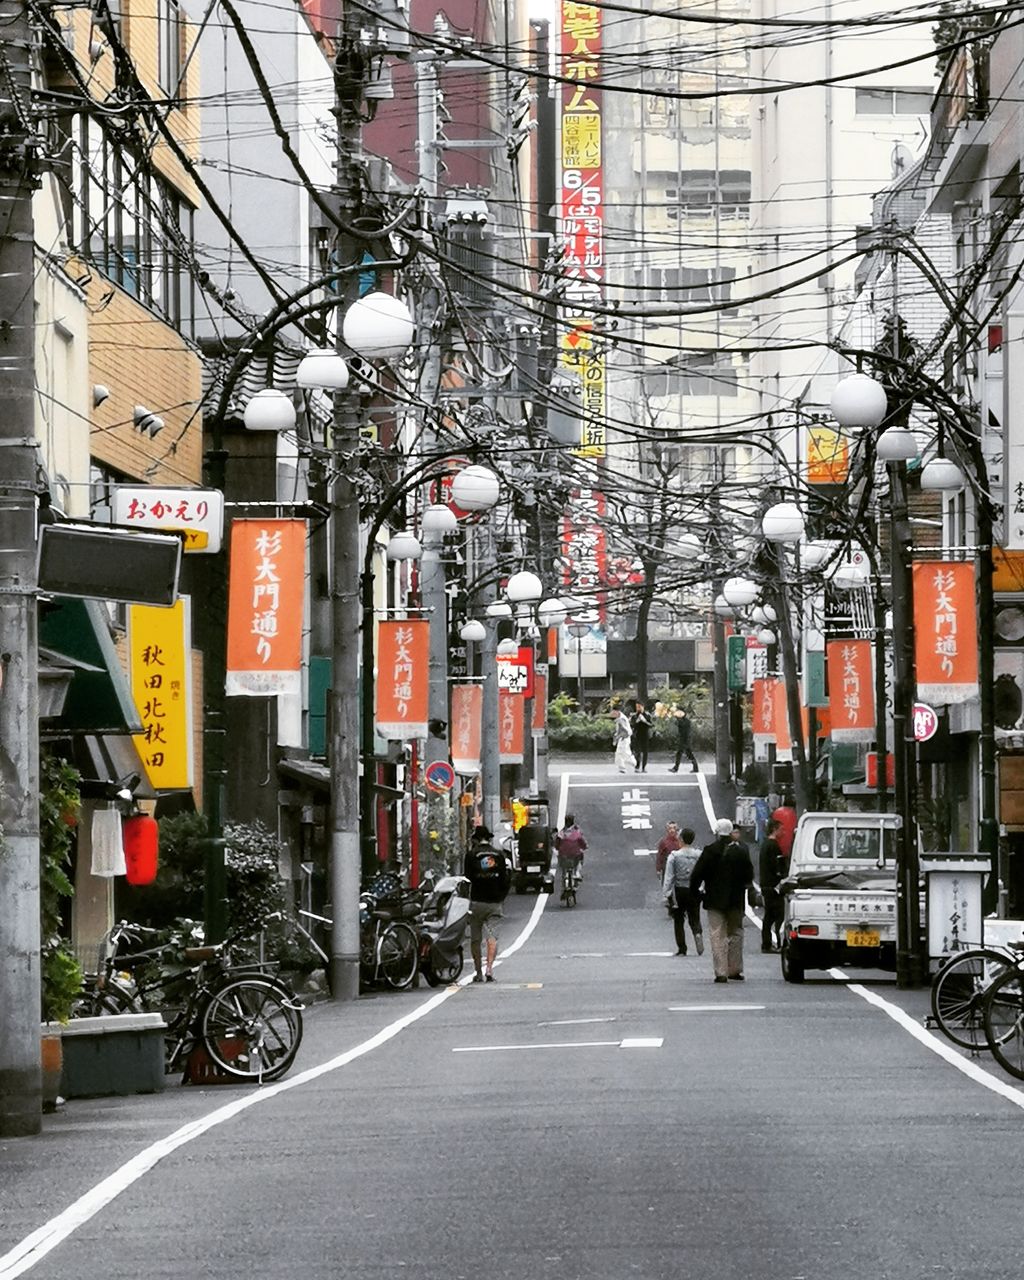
(59, 805)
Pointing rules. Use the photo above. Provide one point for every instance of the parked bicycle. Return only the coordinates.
(246, 1018)
(1003, 1017)
(388, 941)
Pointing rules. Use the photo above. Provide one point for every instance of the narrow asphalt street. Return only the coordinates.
(602, 1111)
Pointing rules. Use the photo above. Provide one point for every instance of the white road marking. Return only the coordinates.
(945, 1051)
(35, 1246)
(642, 853)
(714, 1008)
(651, 1042)
(705, 796)
(573, 1022)
(635, 954)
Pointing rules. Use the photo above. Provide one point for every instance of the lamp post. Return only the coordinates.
(578, 627)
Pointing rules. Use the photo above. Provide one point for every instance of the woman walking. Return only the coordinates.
(620, 740)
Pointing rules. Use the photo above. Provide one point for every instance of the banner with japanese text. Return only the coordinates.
(403, 654)
(539, 723)
(467, 711)
(763, 711)
(160, 674)
(945, 631)
(780, 720)
(851, 690)
(266, 594)
(510, 728)
(828, 455)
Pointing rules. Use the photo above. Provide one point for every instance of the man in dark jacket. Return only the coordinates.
(725, 874)
(641, 724)
(771, 869)
(489, 877)
(684, 736)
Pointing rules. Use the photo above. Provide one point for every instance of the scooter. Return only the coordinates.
(441, 928)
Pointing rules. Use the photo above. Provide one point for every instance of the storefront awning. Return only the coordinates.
(74, 633)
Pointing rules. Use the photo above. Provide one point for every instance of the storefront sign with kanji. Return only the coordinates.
(467, 705)
(851, 690)
(510, 728)
(945, 631)
(160, 672)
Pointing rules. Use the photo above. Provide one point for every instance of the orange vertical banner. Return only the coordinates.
(763, 726)
(403, 652)
(510, 727)
(467, 710)
(265, 607)
(945, 631)
(780, 709)
(539, 724)
(851, 690)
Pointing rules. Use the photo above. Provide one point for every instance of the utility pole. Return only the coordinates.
(350, 70)
(20, 1087)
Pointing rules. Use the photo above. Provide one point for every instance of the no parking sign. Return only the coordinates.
(439, 775)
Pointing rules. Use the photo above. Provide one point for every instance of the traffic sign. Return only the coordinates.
(439, 775)
(926, 721)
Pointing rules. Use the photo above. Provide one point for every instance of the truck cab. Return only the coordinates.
(840, 893)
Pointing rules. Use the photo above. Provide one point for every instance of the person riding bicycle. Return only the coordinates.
(570, 845)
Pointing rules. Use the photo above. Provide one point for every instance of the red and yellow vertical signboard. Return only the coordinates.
(159, 666)
(510, 727)
(945, 631)
(851, 690)
(582, 214)
(265, 607)
(763, 713)
(403, 655)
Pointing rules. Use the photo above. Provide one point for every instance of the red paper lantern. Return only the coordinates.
(141, 836)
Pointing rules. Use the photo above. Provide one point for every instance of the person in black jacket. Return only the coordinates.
(641, 724)
(684, 735)
(771, 869)
(489, 877)
(725, 875)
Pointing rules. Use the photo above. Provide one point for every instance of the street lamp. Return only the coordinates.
(860, 402)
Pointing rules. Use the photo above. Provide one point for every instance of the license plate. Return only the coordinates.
(863, 938)
(533, 871)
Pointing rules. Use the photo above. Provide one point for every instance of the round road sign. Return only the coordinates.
(926, 721)
(439, 775)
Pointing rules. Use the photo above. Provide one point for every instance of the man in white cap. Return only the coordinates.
(723, 874)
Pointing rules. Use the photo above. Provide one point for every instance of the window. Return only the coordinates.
(691, 285)
(694, 373)
(879, 101)
(703, 192)
(170, 29)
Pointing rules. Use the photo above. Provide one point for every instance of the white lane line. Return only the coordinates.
(714, 1008)
(642, 853)
(35, 1246)
(903, 1019)
(573, 1022)
(636, 1042)
(633, 955)
(705, 796)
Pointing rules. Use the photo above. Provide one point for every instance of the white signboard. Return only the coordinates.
(198, 513)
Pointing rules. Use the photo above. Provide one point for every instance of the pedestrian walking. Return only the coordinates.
(489, 877)
(684, 905)
(641, 723)
(684, 737)
(771, 867)
(621, 736)
(668, 843)
(787, 818)
(725, 875)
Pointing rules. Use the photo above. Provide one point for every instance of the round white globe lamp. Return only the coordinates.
(815, 553)
(507, 649)
(740, 592)
(723, 608)
(686, 547)
(942, 475)
(269, 410)
(763, 614)
(524, 588)
(499, 609)
(378, 327)
(324, 369)
(766, 636)
(475, 488)
(859, 401)
(438, 518)
(473, 630)
(850, 576)
(783, 522)
(404, 546)
(898, 444)
(551, 612)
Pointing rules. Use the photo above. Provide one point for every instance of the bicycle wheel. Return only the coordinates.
(397, 955)
(958, 992)
(252, 1028)
(1003, 1010)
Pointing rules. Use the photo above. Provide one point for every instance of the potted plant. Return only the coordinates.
(61, 974)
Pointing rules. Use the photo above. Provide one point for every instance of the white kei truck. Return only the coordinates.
(840, 893)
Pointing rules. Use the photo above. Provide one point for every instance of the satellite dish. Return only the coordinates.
(901, 159)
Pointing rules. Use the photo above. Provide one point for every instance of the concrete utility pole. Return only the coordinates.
(345, 854)
(20, 1082)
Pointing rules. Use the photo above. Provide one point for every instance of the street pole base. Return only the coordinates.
(344, 978)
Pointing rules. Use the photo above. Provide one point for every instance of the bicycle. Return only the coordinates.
(1003, 1014)
(571, 877)
(246, 1019)
(388, 943)
(959, 989)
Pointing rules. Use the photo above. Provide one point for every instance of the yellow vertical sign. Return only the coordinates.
(160, 674)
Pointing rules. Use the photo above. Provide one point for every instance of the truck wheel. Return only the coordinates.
(792, 969)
